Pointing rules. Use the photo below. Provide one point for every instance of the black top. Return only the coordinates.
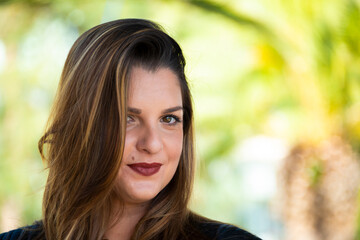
(222, 231)
(213, 230)
(24, 233)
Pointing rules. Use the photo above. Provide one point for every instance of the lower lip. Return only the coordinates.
(145, 169)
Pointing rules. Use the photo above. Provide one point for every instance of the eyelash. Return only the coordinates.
(131, 118)
(177, 119)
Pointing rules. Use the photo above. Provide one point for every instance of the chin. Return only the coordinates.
(142, 194)
(141, 198)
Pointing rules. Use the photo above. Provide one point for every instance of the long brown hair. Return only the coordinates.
(84, 139)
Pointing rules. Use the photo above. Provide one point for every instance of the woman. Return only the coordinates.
(119, 142)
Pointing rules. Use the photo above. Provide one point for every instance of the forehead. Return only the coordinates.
(154, 87)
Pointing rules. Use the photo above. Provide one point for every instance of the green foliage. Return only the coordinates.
(315, 171)
(289, 69)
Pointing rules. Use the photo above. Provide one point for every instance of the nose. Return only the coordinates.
(149, 140)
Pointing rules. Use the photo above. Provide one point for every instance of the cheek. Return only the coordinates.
(175, 145)
(130, 143)
(173, 150)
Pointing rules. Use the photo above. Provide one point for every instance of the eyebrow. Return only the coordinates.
(134, 110)
(173, 109)
(168, 110)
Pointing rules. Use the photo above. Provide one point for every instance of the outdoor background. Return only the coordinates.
(276, 87)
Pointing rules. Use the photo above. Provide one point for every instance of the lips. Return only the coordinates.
(145, 169)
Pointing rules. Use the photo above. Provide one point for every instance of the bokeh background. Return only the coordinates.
(276, 86)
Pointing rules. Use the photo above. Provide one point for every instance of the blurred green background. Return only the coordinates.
(276, 86)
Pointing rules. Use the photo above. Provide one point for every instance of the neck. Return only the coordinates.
(123, 222)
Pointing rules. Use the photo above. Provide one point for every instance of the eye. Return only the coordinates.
(170, 119)
(130, 119)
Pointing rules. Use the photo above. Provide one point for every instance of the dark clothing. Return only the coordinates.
(221, 231)
(25, 233)
(213, 230)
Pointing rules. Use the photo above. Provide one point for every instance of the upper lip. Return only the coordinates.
(145, 165)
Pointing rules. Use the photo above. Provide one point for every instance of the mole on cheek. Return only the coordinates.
(132, 158)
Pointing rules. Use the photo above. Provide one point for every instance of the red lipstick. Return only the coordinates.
(145, 169)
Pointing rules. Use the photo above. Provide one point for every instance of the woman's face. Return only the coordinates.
(154, 134)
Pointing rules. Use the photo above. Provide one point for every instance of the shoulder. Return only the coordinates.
(24, 233)
(211, 229)
(222, 231)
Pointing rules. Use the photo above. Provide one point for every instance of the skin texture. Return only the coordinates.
(154, 134)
